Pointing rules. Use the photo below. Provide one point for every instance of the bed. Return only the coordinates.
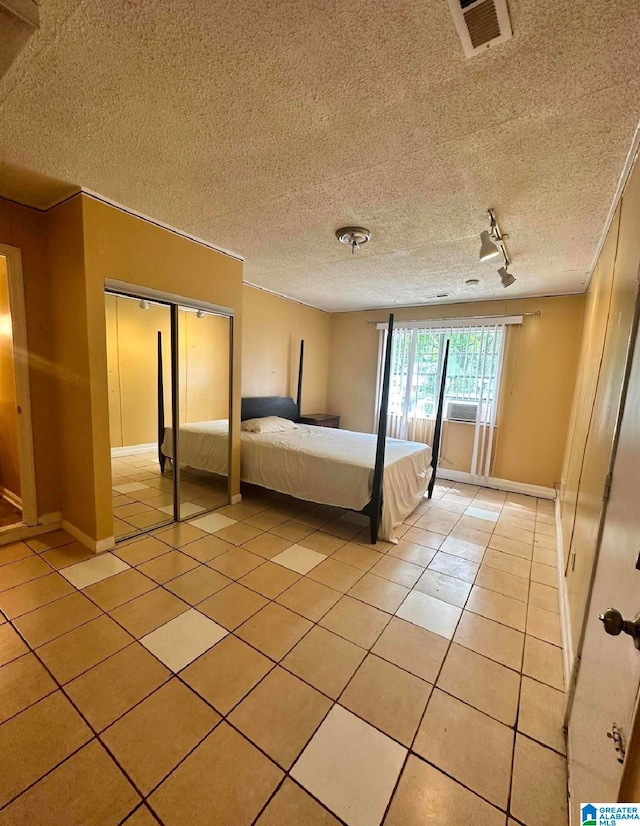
(372, 474)
(317, 464)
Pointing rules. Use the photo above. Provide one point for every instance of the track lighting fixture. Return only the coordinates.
(491, 240)
(492, 244)
(487, 248)
(144, 304)
(506, 277)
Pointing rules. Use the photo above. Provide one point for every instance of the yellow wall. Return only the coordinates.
(69, 317)
(132, 360)
(125, 248)
(26, 229)
(9, 449)
(204, 368)
(605, 342)
(272, 330)
(536, 390)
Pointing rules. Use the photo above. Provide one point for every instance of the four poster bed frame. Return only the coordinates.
(286, 408)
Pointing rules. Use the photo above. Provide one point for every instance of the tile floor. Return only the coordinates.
(265, 664)
(143, 496)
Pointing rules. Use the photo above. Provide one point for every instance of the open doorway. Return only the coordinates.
(17, 473)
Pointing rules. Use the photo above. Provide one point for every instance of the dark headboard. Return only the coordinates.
(259, 406)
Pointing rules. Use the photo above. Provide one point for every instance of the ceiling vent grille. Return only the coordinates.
(481, 24)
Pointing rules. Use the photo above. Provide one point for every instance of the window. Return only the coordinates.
(416, 368)
(476, 347)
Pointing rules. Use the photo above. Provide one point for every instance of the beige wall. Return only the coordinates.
(605, 341)
(536, 390)
(272, 330)
(9, 447)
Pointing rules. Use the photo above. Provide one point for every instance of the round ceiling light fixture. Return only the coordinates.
(355, 237)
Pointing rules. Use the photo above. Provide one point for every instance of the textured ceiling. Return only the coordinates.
(261, 126)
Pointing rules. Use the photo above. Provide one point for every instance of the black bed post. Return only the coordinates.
(161, 457)
(300, 366)
(381, 444)
(437, 433)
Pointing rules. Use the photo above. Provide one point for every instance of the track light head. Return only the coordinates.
(506, 277)
(487, 248)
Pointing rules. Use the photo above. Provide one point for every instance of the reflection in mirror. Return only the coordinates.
(142, 495)
(204, 351)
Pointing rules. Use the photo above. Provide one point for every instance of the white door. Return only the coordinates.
(609, 675)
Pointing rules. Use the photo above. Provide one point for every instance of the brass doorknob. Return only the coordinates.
(614, 624)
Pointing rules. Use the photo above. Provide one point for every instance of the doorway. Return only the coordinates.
(17, 472)
(168, 361)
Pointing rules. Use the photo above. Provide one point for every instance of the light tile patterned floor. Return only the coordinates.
(267, 665)
(143, 496)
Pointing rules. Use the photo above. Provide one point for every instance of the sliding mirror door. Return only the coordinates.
(138, 340)
(204, 378)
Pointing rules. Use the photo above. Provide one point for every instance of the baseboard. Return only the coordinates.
(129, 450)
(497, 484)
(563, 600)
(11, 497)
(15, 533)
(236, 499)
(97, 546)
(49, 519)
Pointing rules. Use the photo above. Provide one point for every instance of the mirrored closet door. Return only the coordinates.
(138, 340)
(203, 410)
(167, 362)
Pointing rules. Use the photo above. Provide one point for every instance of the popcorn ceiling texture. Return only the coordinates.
(261, 127)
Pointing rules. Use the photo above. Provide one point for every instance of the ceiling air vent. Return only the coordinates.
(481, 24)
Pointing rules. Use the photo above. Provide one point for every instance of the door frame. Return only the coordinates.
(15, 280)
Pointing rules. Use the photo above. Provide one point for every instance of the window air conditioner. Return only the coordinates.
(462, 411)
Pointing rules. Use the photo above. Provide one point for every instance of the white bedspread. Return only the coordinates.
(335, 467)
(316, 464)
(203, 445)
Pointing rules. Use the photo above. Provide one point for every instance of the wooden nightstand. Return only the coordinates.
(321, 420)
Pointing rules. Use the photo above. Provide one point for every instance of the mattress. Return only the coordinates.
(317, 464)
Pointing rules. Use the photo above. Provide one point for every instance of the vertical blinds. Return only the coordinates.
(472, 386)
